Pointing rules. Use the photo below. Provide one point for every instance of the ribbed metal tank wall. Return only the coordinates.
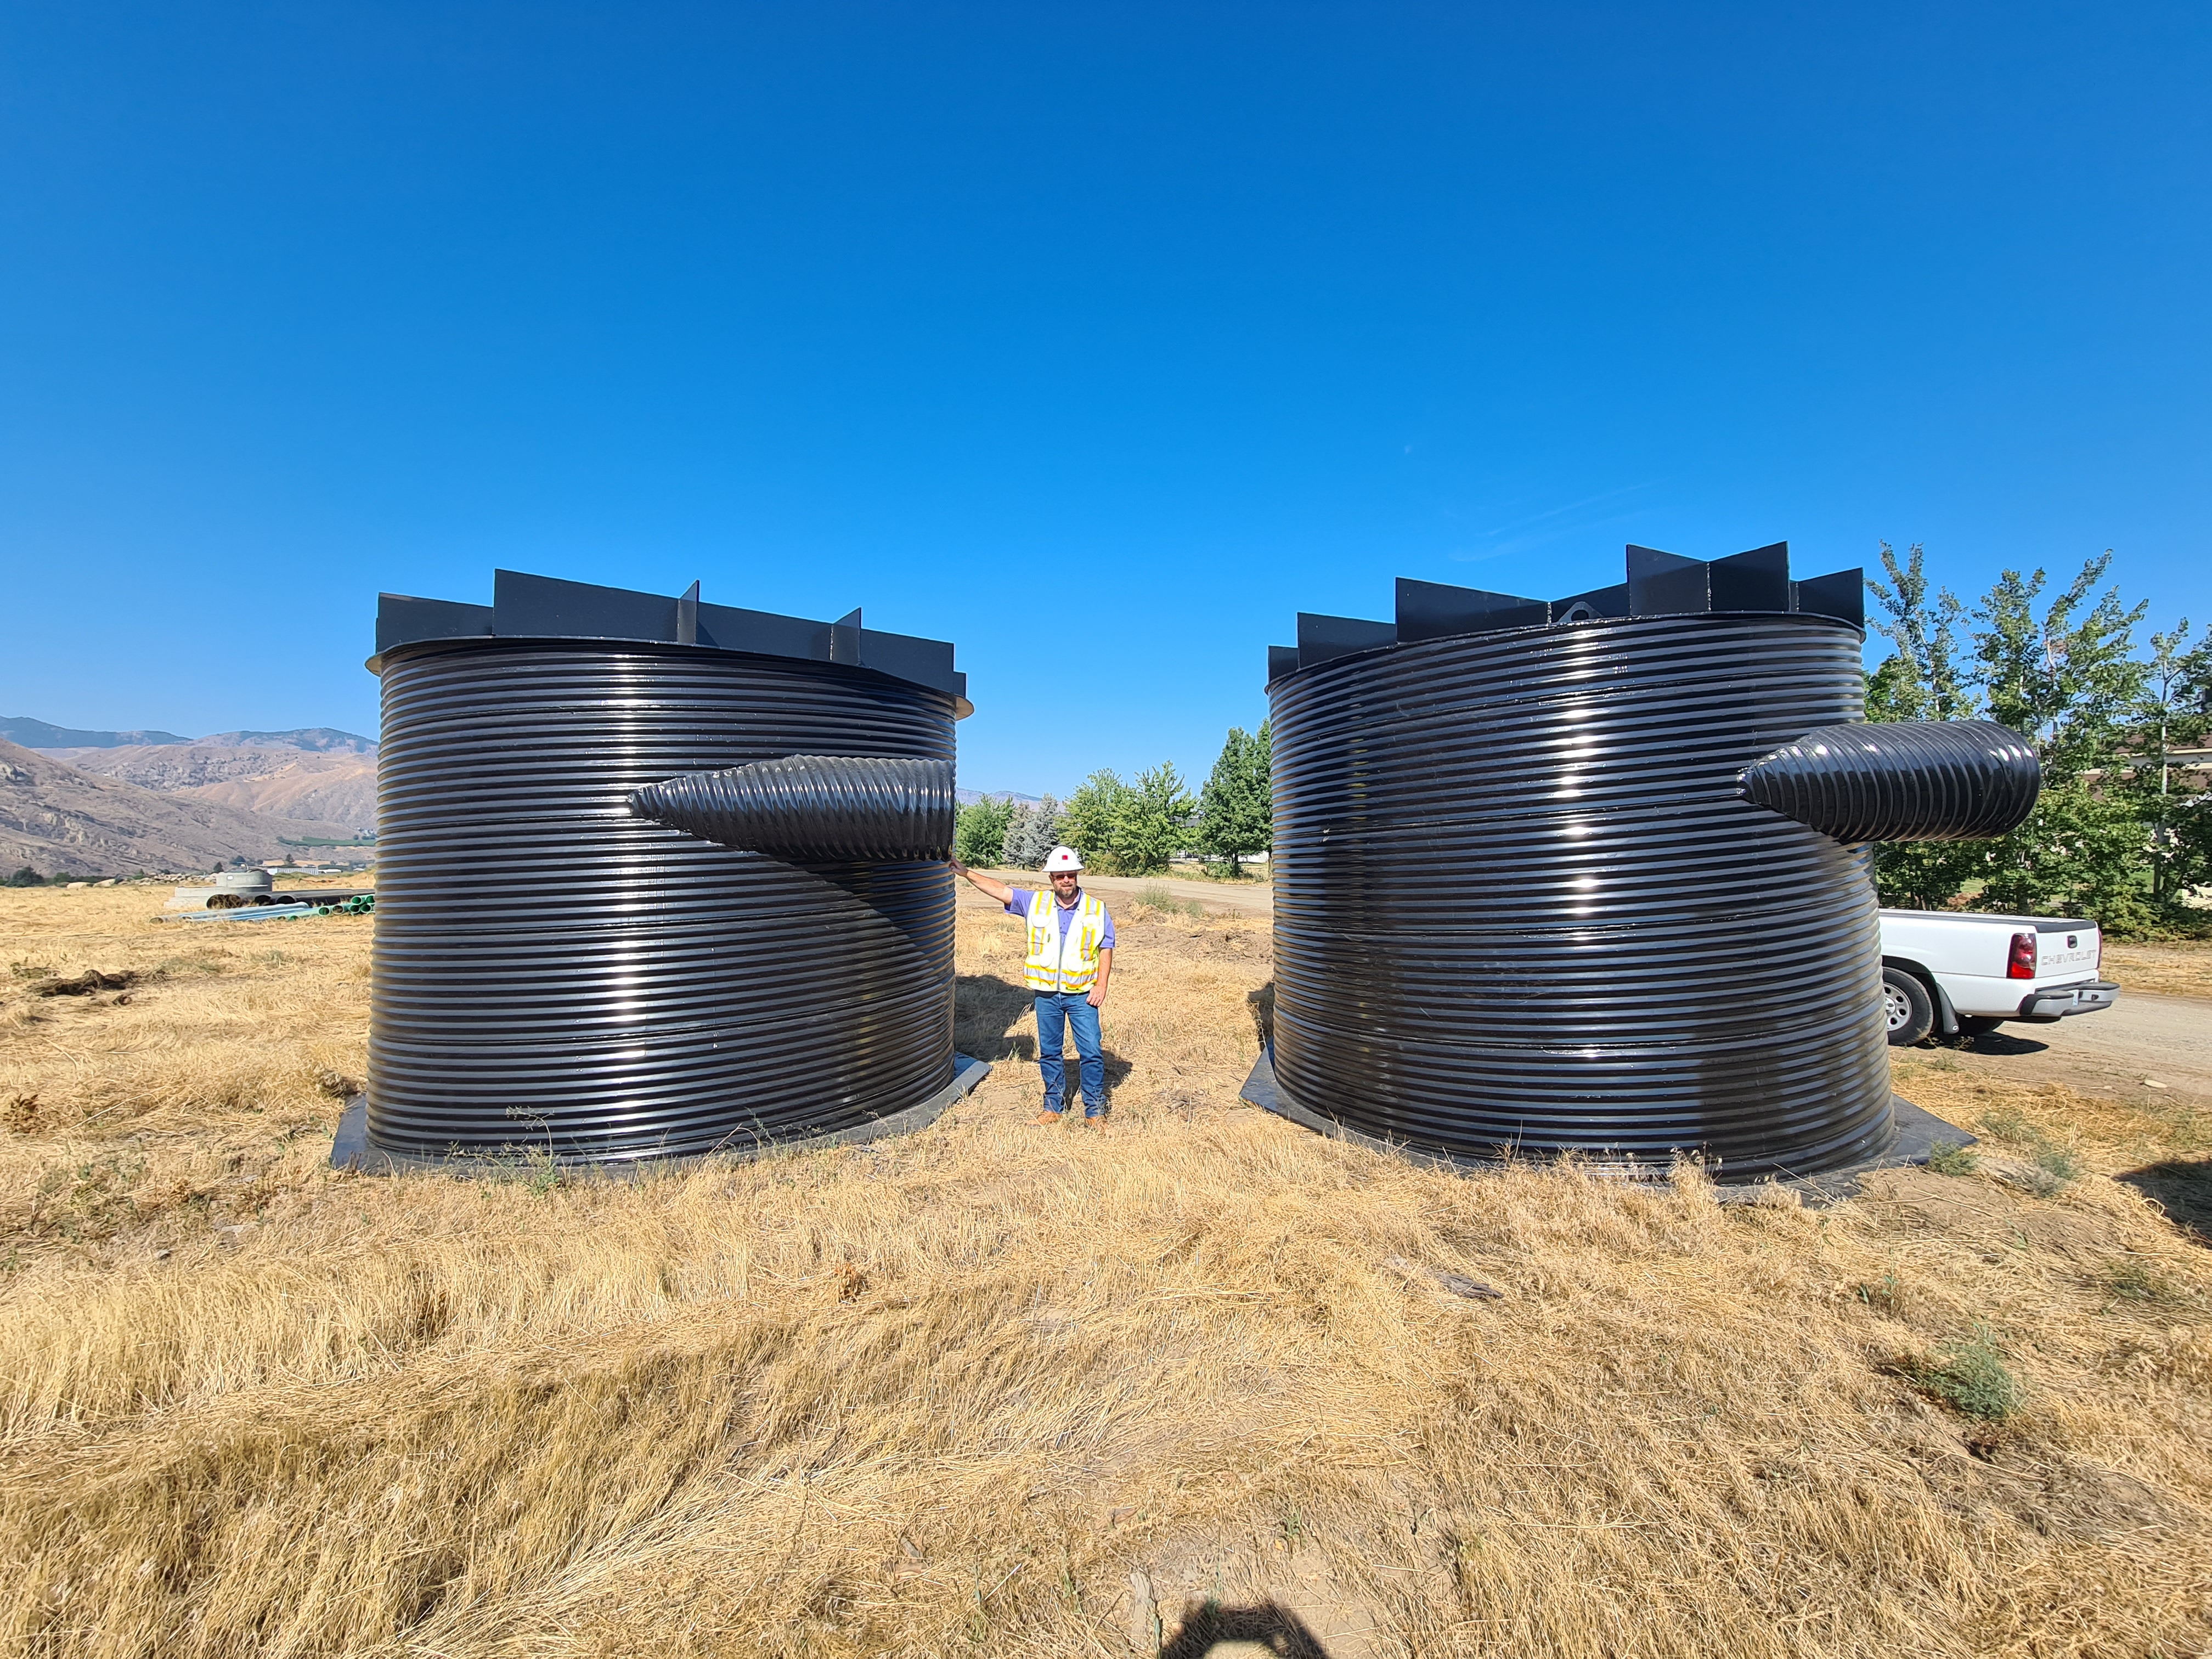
(1523, 902)
(552, 969)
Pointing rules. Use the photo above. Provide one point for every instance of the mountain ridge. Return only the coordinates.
(55, 819)
(31, 734)
(43, 734)
(970, 797)
(311, 786)
(307, 739)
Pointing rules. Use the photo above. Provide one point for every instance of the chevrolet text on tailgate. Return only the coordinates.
(1954, 973)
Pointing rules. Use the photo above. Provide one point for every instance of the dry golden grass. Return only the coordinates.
(945, 1394)
(2179, 968)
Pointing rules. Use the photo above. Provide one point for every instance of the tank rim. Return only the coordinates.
(961, 708)
(1374, 652)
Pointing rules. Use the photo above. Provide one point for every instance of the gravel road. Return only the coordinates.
(2127, 1052)
(1245, 898)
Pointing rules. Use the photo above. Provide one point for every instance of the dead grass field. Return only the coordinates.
(945, 1395)
(2179, 968)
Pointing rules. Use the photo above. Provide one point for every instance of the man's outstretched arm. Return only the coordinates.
(997, 890)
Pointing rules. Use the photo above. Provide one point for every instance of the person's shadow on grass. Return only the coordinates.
(1268, 1627)
(2182, 1187)
(986, 1009)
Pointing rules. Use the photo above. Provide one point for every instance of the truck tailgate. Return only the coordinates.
(2064, 949)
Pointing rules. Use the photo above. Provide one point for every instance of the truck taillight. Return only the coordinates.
(2021, 963)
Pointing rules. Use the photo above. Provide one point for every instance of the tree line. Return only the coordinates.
(1133, 828)
(2122, 833)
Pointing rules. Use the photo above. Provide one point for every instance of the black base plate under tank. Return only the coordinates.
(350, 1149)
(1916, 1132)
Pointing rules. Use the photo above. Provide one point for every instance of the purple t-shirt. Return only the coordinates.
(1024, 897)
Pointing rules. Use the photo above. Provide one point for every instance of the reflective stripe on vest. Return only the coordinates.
(1064, 961)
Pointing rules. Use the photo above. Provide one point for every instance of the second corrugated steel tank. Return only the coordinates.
(1522, 903)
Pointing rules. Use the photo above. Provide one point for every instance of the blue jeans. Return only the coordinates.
(1056, 1011)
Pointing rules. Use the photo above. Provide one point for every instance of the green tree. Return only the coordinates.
(1125, 828)
(1090, 822)
(1034, 832)
(2175, 713)
(1155, 824)
(2068, 682)
(978, 833)
(1235, 816)
(1921, 679)
(2062, 671)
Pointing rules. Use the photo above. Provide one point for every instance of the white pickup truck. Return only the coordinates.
(1953, 973)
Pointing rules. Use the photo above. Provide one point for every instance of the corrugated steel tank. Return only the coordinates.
(1525, 902)
(555, 970)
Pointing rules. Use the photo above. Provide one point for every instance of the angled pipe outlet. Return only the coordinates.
(813, 809)
(1900, 780)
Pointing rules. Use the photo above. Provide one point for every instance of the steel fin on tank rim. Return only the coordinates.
(813, 809)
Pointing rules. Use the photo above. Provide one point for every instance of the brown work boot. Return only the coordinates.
(1045, 1119)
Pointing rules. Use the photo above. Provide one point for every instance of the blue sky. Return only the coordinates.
(1172, 320)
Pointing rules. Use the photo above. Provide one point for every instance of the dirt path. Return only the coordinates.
(1247, 898)
(2143, 1048)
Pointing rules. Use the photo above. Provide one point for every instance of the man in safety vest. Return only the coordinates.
(1071, 955)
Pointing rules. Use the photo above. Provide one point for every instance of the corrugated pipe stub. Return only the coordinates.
(809, 809)
(1522, 907)
(554, 972)
(1902, 780)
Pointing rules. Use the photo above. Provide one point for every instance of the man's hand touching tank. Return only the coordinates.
(997, 890)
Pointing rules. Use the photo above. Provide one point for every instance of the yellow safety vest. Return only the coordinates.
(1064, 961)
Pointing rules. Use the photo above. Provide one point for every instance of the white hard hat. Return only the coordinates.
(1061, 858)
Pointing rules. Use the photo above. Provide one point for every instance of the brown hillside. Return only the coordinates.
(56, 818)
(338, 788)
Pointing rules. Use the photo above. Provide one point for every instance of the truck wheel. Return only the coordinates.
(1910, 1011)
(1974, 1025)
